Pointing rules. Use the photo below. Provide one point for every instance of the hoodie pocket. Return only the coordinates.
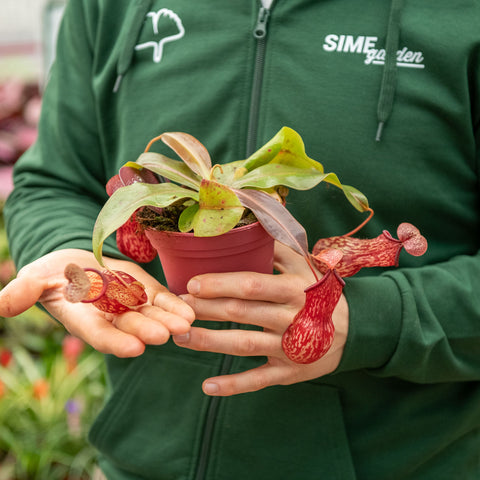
(295, 432)
(151, 422)
(152, 426)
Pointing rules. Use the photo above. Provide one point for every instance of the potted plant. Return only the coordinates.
(208, 206)
(203, 203)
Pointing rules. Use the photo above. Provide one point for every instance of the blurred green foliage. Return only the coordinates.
(4, 254)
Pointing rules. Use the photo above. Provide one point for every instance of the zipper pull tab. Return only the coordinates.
(261, 27)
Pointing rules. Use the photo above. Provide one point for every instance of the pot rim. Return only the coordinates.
(191, 234)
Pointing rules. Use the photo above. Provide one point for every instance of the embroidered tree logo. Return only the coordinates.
(166, 25)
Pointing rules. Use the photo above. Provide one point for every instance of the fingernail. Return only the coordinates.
(210, 388)
(184, 338)
(193, 287)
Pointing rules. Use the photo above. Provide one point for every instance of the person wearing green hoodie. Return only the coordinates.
(384, 93)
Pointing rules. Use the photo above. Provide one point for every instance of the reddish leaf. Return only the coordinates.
(113, 184)
(275, 219)
(190, 150)
(129, 175)
(311, 333)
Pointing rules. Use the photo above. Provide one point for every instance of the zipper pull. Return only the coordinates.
(261, 27)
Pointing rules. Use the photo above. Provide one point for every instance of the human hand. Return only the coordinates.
(123, 335)
(268, 301)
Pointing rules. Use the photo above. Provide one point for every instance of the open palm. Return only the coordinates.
(123, 335)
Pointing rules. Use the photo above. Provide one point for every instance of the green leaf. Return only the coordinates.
(220, 210)
(226, 173)
(185, 221)
(174, 170)
(190, 150)
(356, 198)
(266, 153)
(272, 175)
(126, 200)
(287, 148)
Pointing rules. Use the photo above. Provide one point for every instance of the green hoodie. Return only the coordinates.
(405, 401)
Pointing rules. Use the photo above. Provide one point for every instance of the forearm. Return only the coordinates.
(420, 324)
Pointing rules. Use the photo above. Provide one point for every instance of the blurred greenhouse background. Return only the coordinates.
(51, 384)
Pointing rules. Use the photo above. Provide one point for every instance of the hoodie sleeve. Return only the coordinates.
(59, 182)
(419, 324)
(422, 324)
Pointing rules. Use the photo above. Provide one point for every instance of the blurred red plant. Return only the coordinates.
(5, 357)
(72, 347)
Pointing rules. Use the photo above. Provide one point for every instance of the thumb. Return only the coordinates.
(20, 294)
(288, 261)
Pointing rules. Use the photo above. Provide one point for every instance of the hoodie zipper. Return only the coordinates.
(211, 417)
(260, 34)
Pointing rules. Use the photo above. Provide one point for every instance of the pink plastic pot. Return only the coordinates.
(248, 248)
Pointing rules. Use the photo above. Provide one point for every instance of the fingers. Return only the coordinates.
(263, 314)
(232, 342)
(249, 381)
(122, 335)
(280, 289)
(268, 301)
(102, 335)
(240, 343)
(79, 319)
(126, 334)
(277, 371)
(174, 305)
(288, 261)
(20, 294)
(39, 281)
(151, 325)
(89, 324)
(110, 340)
